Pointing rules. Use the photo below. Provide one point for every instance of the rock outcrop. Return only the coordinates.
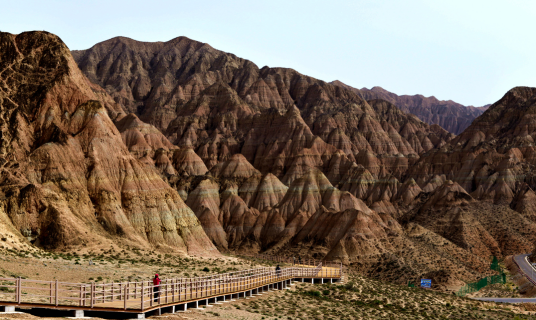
(142, 139)
(68, 178)
(481, 228)
(492, 159)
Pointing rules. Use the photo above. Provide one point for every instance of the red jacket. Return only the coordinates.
(156, 281)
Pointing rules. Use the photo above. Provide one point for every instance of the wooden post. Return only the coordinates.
(56, 293)
(50, 296)
(125, 298)
(80, 301)
(142, 288)
(135, 290)
(83, 295)
(17, 290)
(151, 294)
(20, 289)
(91, 294)
(113, 291)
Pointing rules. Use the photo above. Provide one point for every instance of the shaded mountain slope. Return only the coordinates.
(220, 105)
(275, 161)
(450, 115)
(493, 158)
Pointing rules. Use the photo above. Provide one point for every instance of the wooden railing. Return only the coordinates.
(141, 295)
(294, 260)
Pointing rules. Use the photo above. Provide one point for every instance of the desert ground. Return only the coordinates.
(357, 298)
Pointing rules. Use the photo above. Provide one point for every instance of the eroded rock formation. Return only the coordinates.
(273, 160)
(268, 159)
(67, 176)
(283, 122)
(450, 115)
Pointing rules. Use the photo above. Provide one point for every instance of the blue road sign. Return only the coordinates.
(426, 283)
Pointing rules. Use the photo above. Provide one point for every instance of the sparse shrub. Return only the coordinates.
(349, 285)
(313, 293)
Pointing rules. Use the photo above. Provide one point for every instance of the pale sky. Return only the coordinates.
(468, 51)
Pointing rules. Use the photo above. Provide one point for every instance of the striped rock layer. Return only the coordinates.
(193, 148)
(66, 177)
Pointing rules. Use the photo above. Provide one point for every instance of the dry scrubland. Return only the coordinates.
(365, 299)
(112, 264)
(359, 298)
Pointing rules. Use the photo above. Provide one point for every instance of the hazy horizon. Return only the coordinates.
(471, 53)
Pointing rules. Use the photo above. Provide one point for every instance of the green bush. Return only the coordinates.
(313, 293)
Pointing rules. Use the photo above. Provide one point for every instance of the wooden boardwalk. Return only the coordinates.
(175, 294)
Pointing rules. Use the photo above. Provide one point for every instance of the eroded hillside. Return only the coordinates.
(66, 175)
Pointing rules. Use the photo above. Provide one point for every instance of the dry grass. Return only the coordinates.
(363, 298)
(360, 298)
(112, 264)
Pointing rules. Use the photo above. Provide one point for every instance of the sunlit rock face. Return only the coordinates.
(67, 176)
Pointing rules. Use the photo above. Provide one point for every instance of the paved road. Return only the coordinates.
(531, 274)
(526, 267)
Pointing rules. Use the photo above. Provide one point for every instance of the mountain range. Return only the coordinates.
(178, 146)
(450, 115)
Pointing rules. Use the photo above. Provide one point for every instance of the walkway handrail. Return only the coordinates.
(141, 295)
(296, 261)
(291, 260)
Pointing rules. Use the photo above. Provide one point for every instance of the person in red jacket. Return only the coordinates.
(156, 288)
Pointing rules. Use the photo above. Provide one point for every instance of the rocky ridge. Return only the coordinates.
(284, 159)
(283, 122)
(271, 160)
(448, 114)
(66, 175)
